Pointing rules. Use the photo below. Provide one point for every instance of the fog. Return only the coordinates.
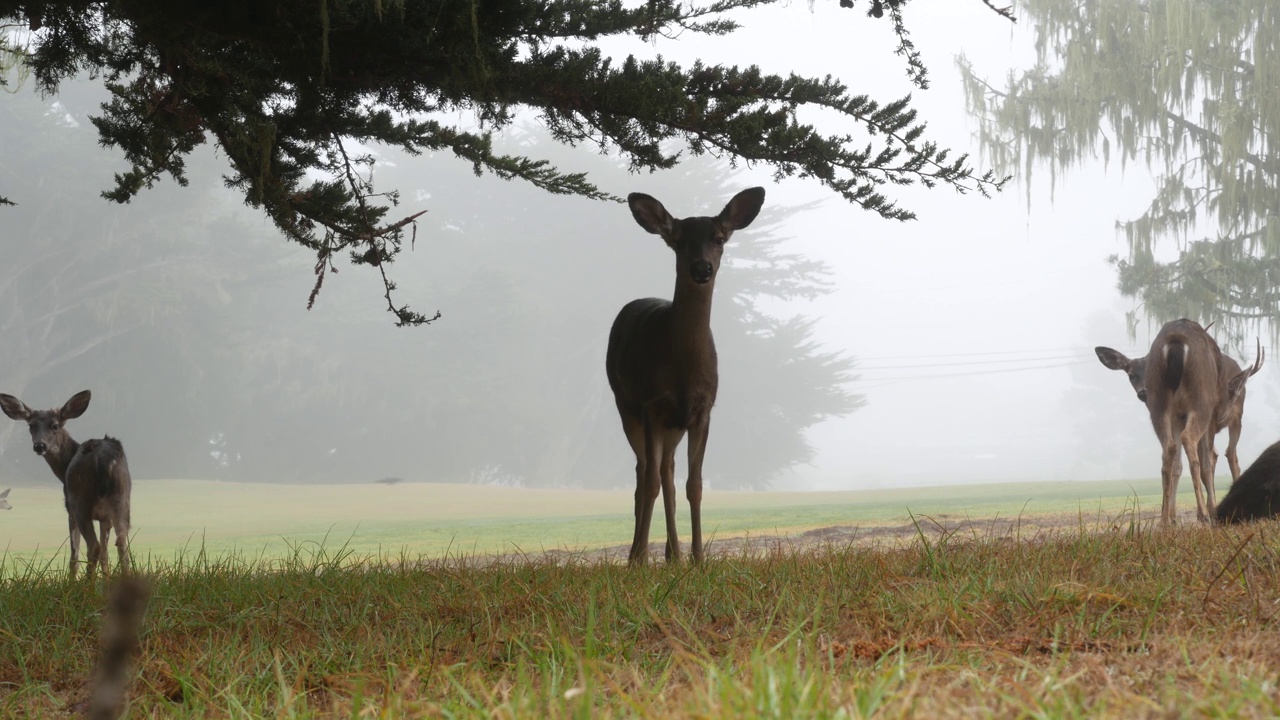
(855, 352)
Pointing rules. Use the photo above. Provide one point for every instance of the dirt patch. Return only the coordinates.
(931, 528)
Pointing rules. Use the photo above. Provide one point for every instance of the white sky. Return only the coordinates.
(970, 283)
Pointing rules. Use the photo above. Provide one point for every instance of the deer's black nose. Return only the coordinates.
(39, 448)
(1142, 395)
(700, 271)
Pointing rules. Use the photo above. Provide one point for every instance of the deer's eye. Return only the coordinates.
(53, 426)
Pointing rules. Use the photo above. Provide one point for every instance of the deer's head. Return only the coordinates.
(697, 241)
(48, 431)
(1135, 368)
(1234, 392)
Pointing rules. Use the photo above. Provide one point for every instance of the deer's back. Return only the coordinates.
(99, 475)
(1183, 368)
(649, 365)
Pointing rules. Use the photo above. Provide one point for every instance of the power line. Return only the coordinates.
(939, 376)
(1076, 349)
(1074, 356)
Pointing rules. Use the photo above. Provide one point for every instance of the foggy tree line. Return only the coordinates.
(183, 313)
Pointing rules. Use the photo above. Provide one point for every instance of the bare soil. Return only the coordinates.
(933, 528)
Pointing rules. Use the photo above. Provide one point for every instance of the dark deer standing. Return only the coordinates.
(95, 477)
(661, 364)
(1180, 382)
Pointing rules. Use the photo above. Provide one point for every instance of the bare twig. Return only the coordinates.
(371, 236)
(1005, 12)
(1225, 565)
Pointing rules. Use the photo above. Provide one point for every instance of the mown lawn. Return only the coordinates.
(171, 517)
(1118, 619)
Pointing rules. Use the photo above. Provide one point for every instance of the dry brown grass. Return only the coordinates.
(1115, 619)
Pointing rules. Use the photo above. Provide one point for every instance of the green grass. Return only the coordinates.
(1118, 621)
(434, 520)
(255, 615)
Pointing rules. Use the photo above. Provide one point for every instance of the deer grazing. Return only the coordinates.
(95, 477)
(1255, 495)
(661, 364)
(1189, 390)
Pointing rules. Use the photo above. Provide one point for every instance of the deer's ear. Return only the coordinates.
(650, 214)
(76, 406)
(1112, 359)
(1235, 385)
(14, 408)
(742, 209)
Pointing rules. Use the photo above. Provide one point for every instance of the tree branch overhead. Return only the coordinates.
(283, 87)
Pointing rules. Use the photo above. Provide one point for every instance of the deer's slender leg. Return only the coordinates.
(1233, 437)
(1191, 445)
(648, 486)
(635, 437)
(652, 475)
(670, 441)
(1169, 463)
(122, 538)
(697, 449)
(104, 536)
(74, 531)
(1208, 465)
(85, 522)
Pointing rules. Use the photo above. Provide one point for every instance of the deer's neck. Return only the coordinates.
(691, 314)
(58, 461)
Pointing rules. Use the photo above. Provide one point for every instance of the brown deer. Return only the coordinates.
(1179, 380)
(661, 364)
(95, 477)
(1229, 413)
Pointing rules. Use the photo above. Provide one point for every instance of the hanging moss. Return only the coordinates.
(1190, 89)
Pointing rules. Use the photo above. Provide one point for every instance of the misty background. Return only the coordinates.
(855, 352)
